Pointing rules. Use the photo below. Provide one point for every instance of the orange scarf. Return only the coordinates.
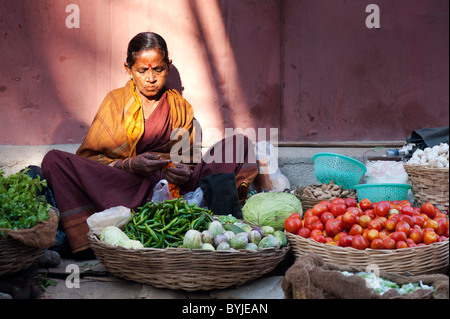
(119, 124)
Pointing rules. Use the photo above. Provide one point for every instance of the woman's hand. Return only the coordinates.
(178, 174)
(145, 164)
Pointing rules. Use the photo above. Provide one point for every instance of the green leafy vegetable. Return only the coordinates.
(20, 206)
(381, 285)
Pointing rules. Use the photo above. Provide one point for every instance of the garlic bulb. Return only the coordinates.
(436, 156)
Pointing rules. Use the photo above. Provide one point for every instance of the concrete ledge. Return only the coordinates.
(294, 162)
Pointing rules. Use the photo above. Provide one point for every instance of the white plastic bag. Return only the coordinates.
(115, 216)
(161, 191)
(385, 172)
(267, 159)
(195, 197)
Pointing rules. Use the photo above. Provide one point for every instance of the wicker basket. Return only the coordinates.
(15, 256)
(307, 201)
(429, 185)
(417, 260)
(185, 269)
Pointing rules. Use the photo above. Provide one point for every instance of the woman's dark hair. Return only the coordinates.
(146, 41)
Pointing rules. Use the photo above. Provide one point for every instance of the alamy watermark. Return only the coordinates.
(73, 279)
(73, 19)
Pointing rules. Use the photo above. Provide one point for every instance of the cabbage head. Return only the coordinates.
(114, 236)
(271, 209)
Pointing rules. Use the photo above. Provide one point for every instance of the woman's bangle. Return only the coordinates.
(123, 163)
(129, 164)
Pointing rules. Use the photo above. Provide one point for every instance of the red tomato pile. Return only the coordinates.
(382, 225)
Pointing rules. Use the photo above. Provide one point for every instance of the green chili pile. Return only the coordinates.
(163, 224)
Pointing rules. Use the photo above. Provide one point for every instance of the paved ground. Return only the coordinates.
(96, 283)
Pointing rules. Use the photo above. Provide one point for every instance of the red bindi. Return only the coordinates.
(150, 65)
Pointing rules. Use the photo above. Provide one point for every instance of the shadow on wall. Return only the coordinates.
(174, 79)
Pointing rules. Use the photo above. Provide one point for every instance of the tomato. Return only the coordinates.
(401, 244)
(418, 220)
(404, 203)
(364, 221)
(390, 225)
(338, 209)
(408, 219)
(355, 210)
(410, 242)
(311, 221)
(429, 209)
(304, 232)
(326, 203)
(333, 227)
(442, 238)
(345, 240)
(351, 202)
(328, 239)
(370, 213)
(372, 234)
(398, 236)
(429, 237)
(349, 219)
(377, 243)
(292, 224)
(337, 201)
(374, 224)
(359, 242)
(365, 232)
(331, 243)
(295, 215)
(319, 225)
(442, 226)
(315, 233)
(382, 208)
(384, 233)
(355, 230)
(407, 210)
(388, 243)
(382, 220)
(365, 204)
(308, 213)
(317, 236)
(336, 238)
(430, 223)
(393, 211)
(326, 216)
(416, 235)
(403, 227)
(318, 209)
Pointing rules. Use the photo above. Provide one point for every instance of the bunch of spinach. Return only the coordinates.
(20, 205)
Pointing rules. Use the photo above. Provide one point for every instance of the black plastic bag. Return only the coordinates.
(429, 137)
(220, 193)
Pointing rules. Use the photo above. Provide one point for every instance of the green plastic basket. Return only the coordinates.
(382, 192)
(342, 170)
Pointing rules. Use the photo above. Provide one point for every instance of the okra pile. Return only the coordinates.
(163, 224)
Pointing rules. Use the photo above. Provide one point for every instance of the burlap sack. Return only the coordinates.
(311, 278)
(43, 235)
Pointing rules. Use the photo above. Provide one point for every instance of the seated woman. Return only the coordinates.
(129, 143)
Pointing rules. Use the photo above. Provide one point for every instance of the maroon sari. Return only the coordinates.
(82, 186)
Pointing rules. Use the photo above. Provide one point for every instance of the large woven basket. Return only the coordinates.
(15, 256)
(429, 185)
(185, 269)
(416, 260)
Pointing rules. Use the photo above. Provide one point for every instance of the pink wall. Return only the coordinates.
(309, 68)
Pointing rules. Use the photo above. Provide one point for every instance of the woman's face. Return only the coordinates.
(149, 73)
